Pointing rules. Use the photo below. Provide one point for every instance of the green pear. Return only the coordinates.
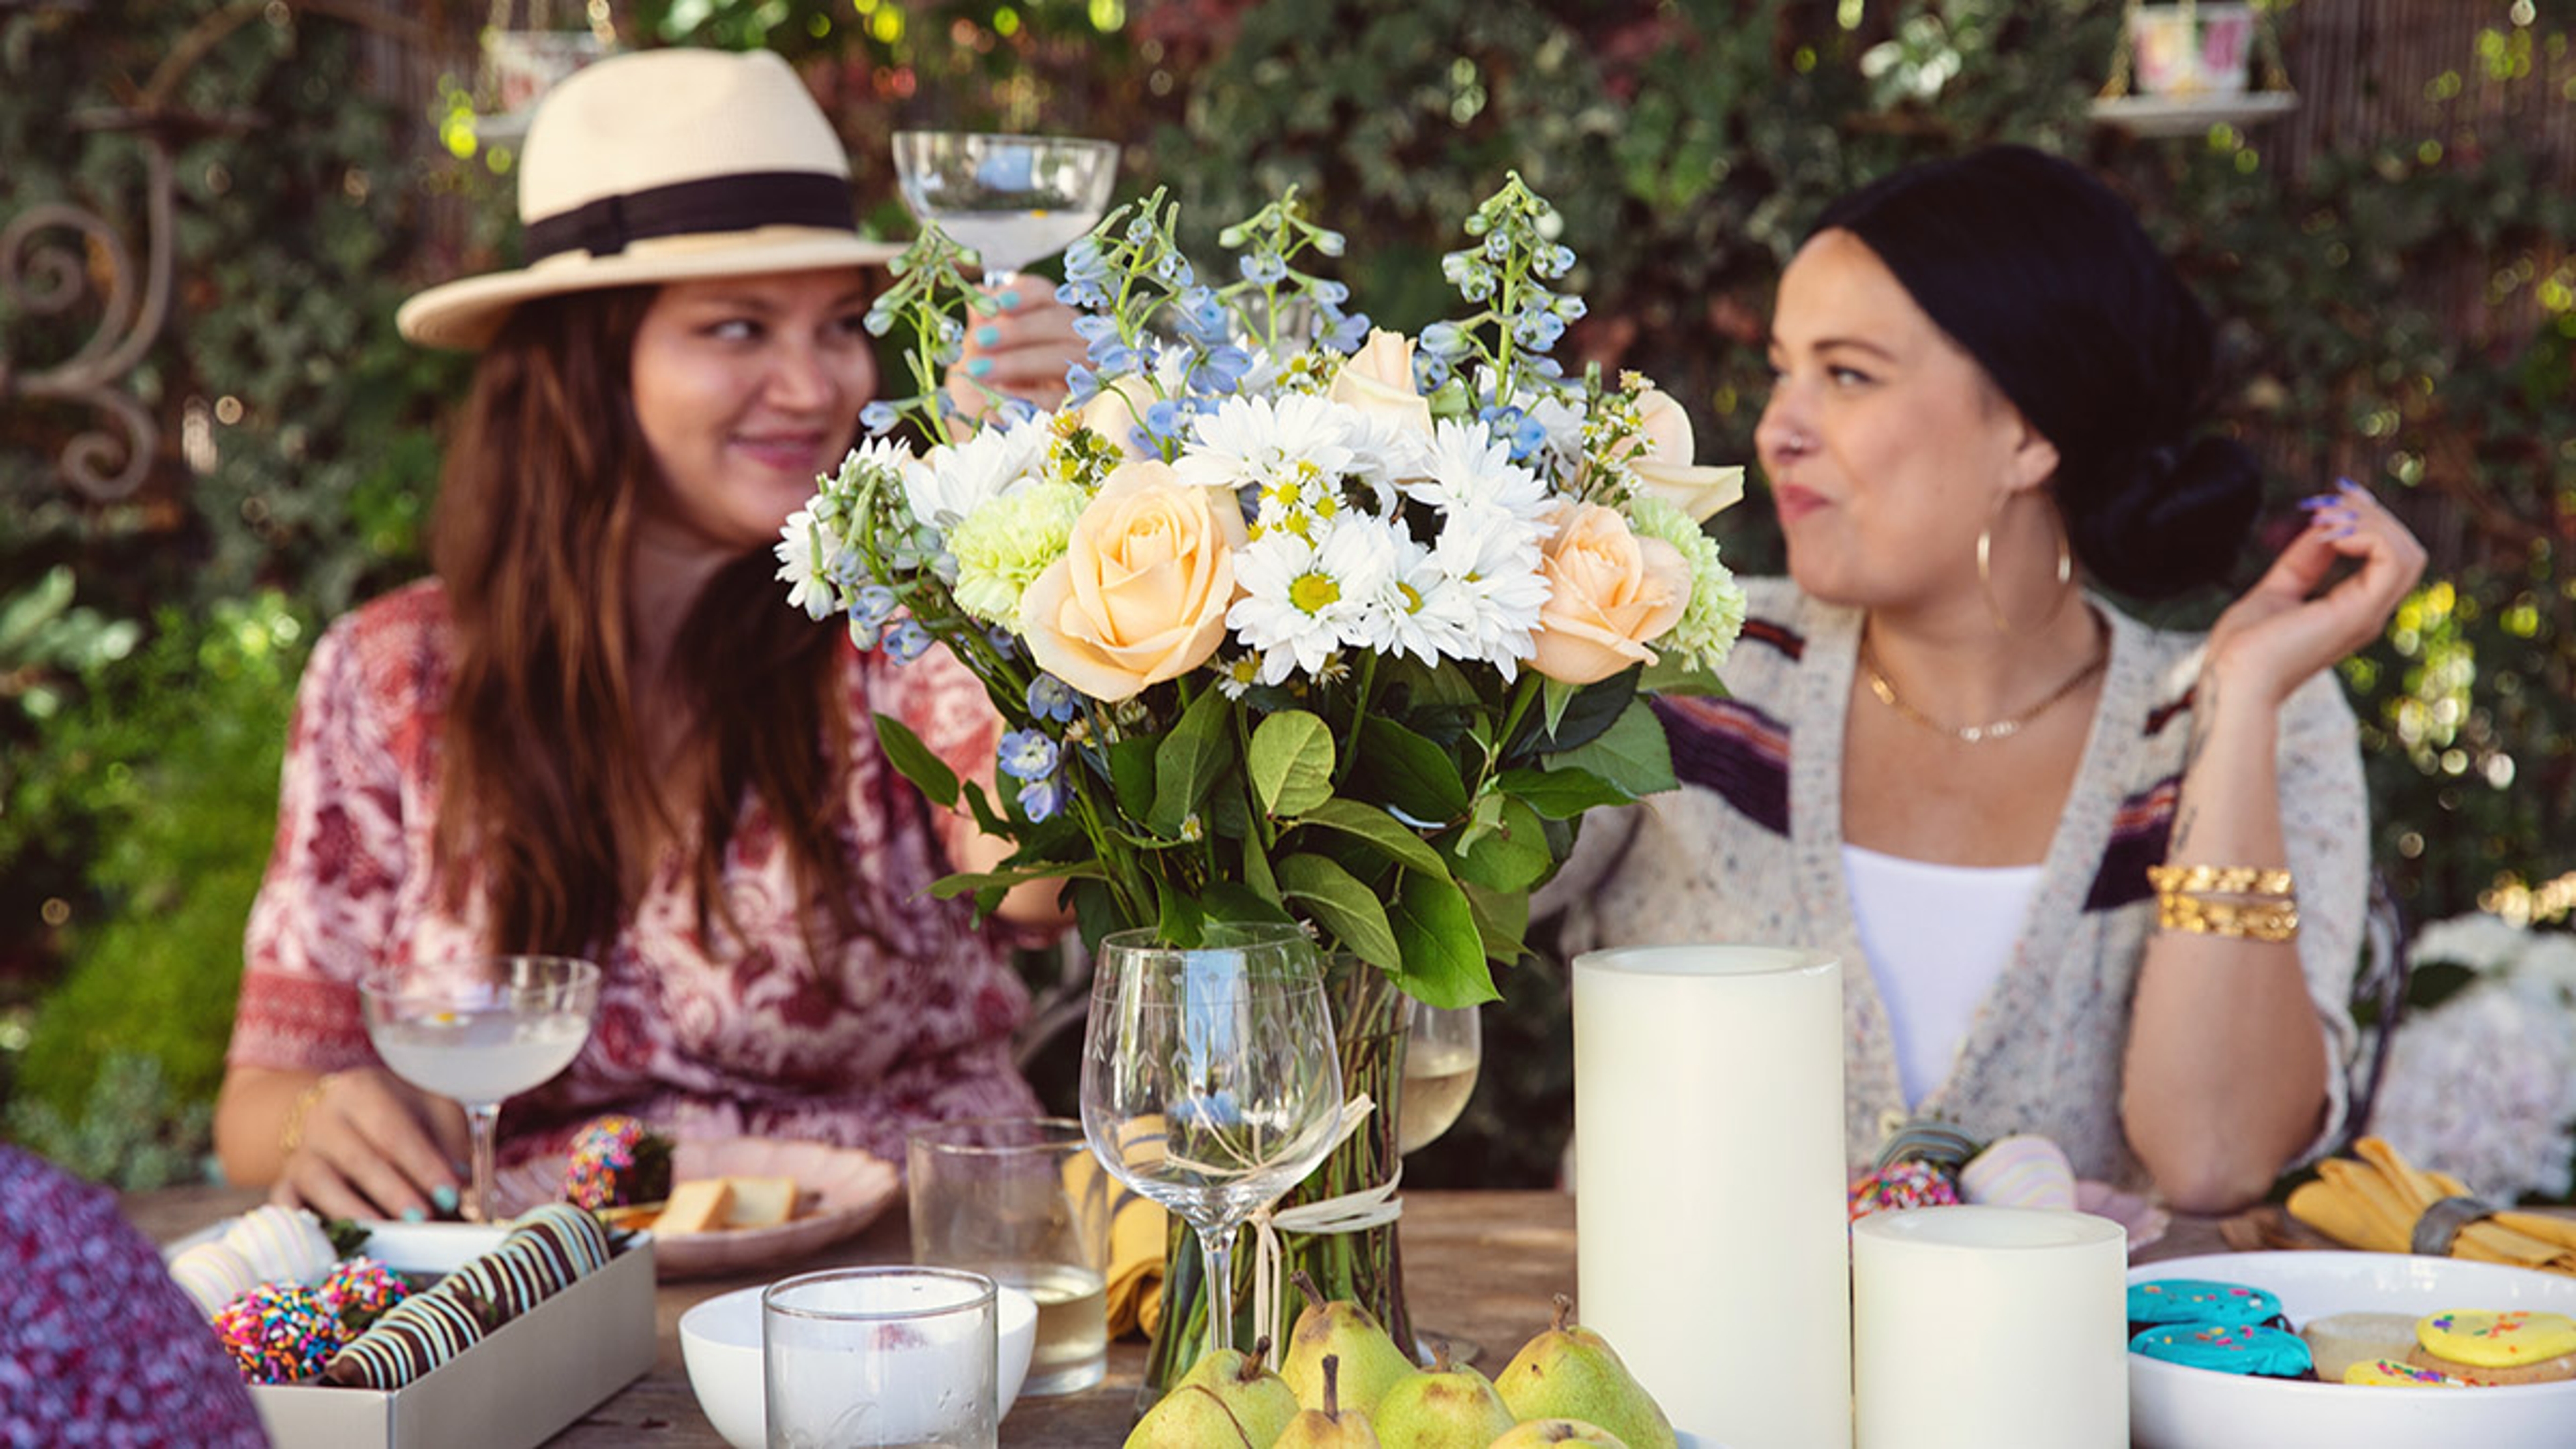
(1190, 1417)
(1331, 1426)
(1261, 1401)
(1538, 1433)
(1572, 1373)
(1371, 1363)
(1442, 1407)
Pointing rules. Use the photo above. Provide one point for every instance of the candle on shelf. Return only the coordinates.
(1992, 1327)
(1710, 1230)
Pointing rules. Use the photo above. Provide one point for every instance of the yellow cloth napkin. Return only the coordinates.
(2375, 1203)
(1138, 1231)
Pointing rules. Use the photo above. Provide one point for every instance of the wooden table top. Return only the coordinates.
(1479, 1265)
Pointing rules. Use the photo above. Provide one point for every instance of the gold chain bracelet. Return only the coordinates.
(2269, 919)
(2241, 880)
(290, 1138)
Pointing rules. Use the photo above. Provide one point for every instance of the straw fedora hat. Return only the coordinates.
(662, 166)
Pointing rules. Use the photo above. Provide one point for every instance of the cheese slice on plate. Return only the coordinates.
(698, 1206)
(761, 1202)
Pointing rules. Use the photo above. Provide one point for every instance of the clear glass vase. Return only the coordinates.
(1363, 1266)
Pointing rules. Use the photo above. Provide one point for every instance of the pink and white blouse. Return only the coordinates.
(702, 1033)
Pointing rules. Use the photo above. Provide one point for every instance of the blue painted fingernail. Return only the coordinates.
(1009, 297)
(2321, 500)
(2349, 486)
(987, 335)
(979, 367)
(414, 1215)
(2342, 530)
(443, 1198)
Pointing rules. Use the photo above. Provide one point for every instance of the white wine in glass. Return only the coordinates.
(1442, 1051)
(1016, 200)
(480, 1030)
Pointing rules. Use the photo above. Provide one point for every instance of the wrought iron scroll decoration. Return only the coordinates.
(46, 279)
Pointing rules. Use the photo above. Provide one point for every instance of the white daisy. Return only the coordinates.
(1422, 610)
(1252, 441)
(1384, 453)
(1304, 598)
(801, 542)
(949, 484)
(1469, 467)
(1492, 558)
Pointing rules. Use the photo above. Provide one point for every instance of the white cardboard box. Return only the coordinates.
(516, 1389)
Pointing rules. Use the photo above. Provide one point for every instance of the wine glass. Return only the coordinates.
(1016, 200)
(1443, 1048)
(480, 1029)
(1210, 1082)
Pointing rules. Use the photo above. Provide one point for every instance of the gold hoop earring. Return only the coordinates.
(1986, 574)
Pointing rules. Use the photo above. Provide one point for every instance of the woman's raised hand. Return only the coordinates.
(370, 1145)
(1020, 351)
(2284, 630)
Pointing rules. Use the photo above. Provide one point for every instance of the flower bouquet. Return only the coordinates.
(1290, 619)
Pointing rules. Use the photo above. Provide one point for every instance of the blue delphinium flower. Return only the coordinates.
(1081, 384)
(1041, 799)
(1263, 268)
(879, 418)
(1444, 339)
(1051, 698)
(1343, 332)
(1220, 370)
(870, 610)
(1200, 318)
(907, 641)
(1027, 755)
(1525, 435)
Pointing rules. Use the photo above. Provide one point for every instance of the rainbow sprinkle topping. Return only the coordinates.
(616, 1160)
(279, 1333)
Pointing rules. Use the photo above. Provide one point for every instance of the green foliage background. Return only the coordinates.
(2372, 309)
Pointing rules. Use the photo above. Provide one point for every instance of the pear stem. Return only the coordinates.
(1440, 1357)
(1306, 1284)
(1564, 1313)
(1333, 1387)
(1255, 1363)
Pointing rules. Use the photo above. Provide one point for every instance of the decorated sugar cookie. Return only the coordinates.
(2253, 1349)
(2389, 1373)
(2166, 1301)
(2496, 1340)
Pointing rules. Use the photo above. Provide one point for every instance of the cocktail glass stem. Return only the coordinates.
(1217, 1244)
(484, 1119)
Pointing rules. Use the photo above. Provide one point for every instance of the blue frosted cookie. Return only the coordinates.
(2251, 1349)
(2175, 1302)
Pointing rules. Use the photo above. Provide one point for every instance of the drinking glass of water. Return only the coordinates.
(1016, 200)
(1022, 1201)
(880, 1358)
(480, 1030)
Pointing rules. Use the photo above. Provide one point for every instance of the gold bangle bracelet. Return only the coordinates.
(290, 1138)
(2270, 919)
(2241, 880)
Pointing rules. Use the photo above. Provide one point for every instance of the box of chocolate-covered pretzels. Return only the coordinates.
(509, 1334)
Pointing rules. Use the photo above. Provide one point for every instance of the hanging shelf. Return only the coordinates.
(522, 62)
(2183, 68)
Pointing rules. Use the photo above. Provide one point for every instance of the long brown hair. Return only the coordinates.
(548, 798)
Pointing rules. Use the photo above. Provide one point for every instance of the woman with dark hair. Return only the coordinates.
(2089, 879)
(600, 731)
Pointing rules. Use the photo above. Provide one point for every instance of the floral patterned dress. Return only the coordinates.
(704, 1033)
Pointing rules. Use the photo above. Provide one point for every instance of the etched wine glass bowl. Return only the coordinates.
(1016, 200)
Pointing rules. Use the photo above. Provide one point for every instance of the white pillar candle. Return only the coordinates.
(1710, 1227)
(1990, 1328)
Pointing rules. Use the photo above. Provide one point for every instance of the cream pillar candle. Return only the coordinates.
(1709, 1193)
(1990, 1328)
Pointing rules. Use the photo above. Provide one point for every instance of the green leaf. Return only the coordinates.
(1409, 773)
(1444, 952)
(1342, 906)
(1554, 695)
(1096, 912)
(1502, 919)
(1226, 901)
(1392, 837)
(1182, 920)
(1424, 687)
(949, 887)
(1664, 677)
(1514, 856)
(1187, 764)
(1560, 793)
(1256, 870)
(915, 762)
(988, 818)
(1631, 754)
(1291, 762)
(1131, 775)
(1590, 712)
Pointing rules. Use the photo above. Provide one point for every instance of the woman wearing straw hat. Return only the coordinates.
(597, 731)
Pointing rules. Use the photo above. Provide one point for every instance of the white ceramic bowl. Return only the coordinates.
(720, 1343)
(2172, 1407)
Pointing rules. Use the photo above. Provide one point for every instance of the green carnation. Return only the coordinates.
(1709, 624)
(1007, 542)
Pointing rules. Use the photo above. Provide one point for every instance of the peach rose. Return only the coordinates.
(1664, 464)
(1141, 592)
(1378, 380)
(1117, 409)
(1609, 592)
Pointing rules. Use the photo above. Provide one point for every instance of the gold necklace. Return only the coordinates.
(2002, 729)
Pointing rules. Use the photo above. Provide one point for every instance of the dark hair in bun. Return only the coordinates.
(2043, 276)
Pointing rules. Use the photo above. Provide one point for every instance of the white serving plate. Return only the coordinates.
(2172, 1407)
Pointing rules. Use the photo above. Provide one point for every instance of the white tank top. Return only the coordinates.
(1936, 936)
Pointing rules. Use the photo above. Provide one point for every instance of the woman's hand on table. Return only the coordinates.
(373, 1146)
(1020, 351)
